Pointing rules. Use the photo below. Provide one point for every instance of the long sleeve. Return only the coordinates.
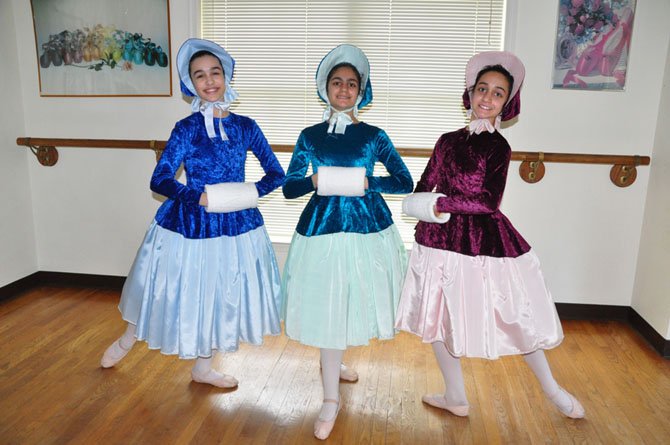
(484, 197)
(274, 173)
(399, 180)
(431, 173)
(163, 179)
(296, 183)
(471, 170)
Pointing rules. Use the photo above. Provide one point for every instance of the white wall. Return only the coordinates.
(585, 229)
(17, 238)
(651, 296)
(92, 208)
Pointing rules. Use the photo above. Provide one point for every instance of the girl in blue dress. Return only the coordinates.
(343, 275)
(205, 277)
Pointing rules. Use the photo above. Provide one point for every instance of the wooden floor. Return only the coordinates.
(53, 391)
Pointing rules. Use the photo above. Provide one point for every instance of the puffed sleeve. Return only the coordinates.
(399, 180)
(163, 179)
(296, 183)
(274, 173)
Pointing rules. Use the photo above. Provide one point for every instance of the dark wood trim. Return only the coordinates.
(649, 333)
(43, 278)
(19, 286)
(82, 280)
(571, 311)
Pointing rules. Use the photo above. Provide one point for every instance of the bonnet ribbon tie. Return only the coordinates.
(476, 126)
(207, 110)
(338, 120)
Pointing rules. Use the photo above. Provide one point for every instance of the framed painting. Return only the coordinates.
(592, 44)
(102, 47)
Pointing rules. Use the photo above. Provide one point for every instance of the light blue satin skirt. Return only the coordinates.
(342, 289)
(191, 296)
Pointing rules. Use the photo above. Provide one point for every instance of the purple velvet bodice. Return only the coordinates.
(471, 170)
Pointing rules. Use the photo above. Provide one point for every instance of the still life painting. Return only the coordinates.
(103, 48)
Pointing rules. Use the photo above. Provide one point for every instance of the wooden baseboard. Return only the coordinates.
(19, 286)
(569, 311)
(81, 280)
(655, 339)
(61, 279)
(566, 311)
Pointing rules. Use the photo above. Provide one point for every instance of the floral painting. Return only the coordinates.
(592, 44)
(103, 48)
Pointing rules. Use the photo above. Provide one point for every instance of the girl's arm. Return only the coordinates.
(431, 173)
(399, 180)
(274, 173)
(296, 183)
(487, 197)
(163, 179)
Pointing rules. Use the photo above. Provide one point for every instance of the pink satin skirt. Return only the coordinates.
(478, 306)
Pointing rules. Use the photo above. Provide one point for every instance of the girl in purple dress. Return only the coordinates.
(474, 287)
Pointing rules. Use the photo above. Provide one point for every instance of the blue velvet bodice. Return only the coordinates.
(362, 145)
(471, 170)
(211, 161)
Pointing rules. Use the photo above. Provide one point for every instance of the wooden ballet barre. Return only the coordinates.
(531, 170)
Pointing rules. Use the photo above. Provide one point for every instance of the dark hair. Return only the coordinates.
(201, 53)
(341, 65)
(497, 69)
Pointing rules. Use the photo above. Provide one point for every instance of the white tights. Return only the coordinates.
(537, 361)
(330, 376)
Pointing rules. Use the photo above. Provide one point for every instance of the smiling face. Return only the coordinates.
(490, 95)
(207, 77)
(343, 88)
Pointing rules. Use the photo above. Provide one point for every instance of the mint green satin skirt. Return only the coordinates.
(342, 289)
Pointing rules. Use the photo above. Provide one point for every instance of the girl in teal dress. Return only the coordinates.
(345, 266)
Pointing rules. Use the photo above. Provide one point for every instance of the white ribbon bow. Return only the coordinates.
(339, 120)
(476, 126)
(207, 110)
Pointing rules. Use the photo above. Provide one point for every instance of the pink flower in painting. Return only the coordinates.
(579, 30)
(563, 10)
(595, 5)
(577, 3)
(573, 11)
(570, 20)
(582, 18)
(597, 25)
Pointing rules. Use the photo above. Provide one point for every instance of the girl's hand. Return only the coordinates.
(437, 212)
(365, 183)
(203, 199)
(315, 180)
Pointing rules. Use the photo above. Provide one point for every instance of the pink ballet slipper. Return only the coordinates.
(214, 378)
(577, 411)
(438, 401)
(348, 374)
(323, 427)
(113, 354)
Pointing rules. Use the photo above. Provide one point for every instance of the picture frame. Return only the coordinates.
(592, 44)
(103, 48)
